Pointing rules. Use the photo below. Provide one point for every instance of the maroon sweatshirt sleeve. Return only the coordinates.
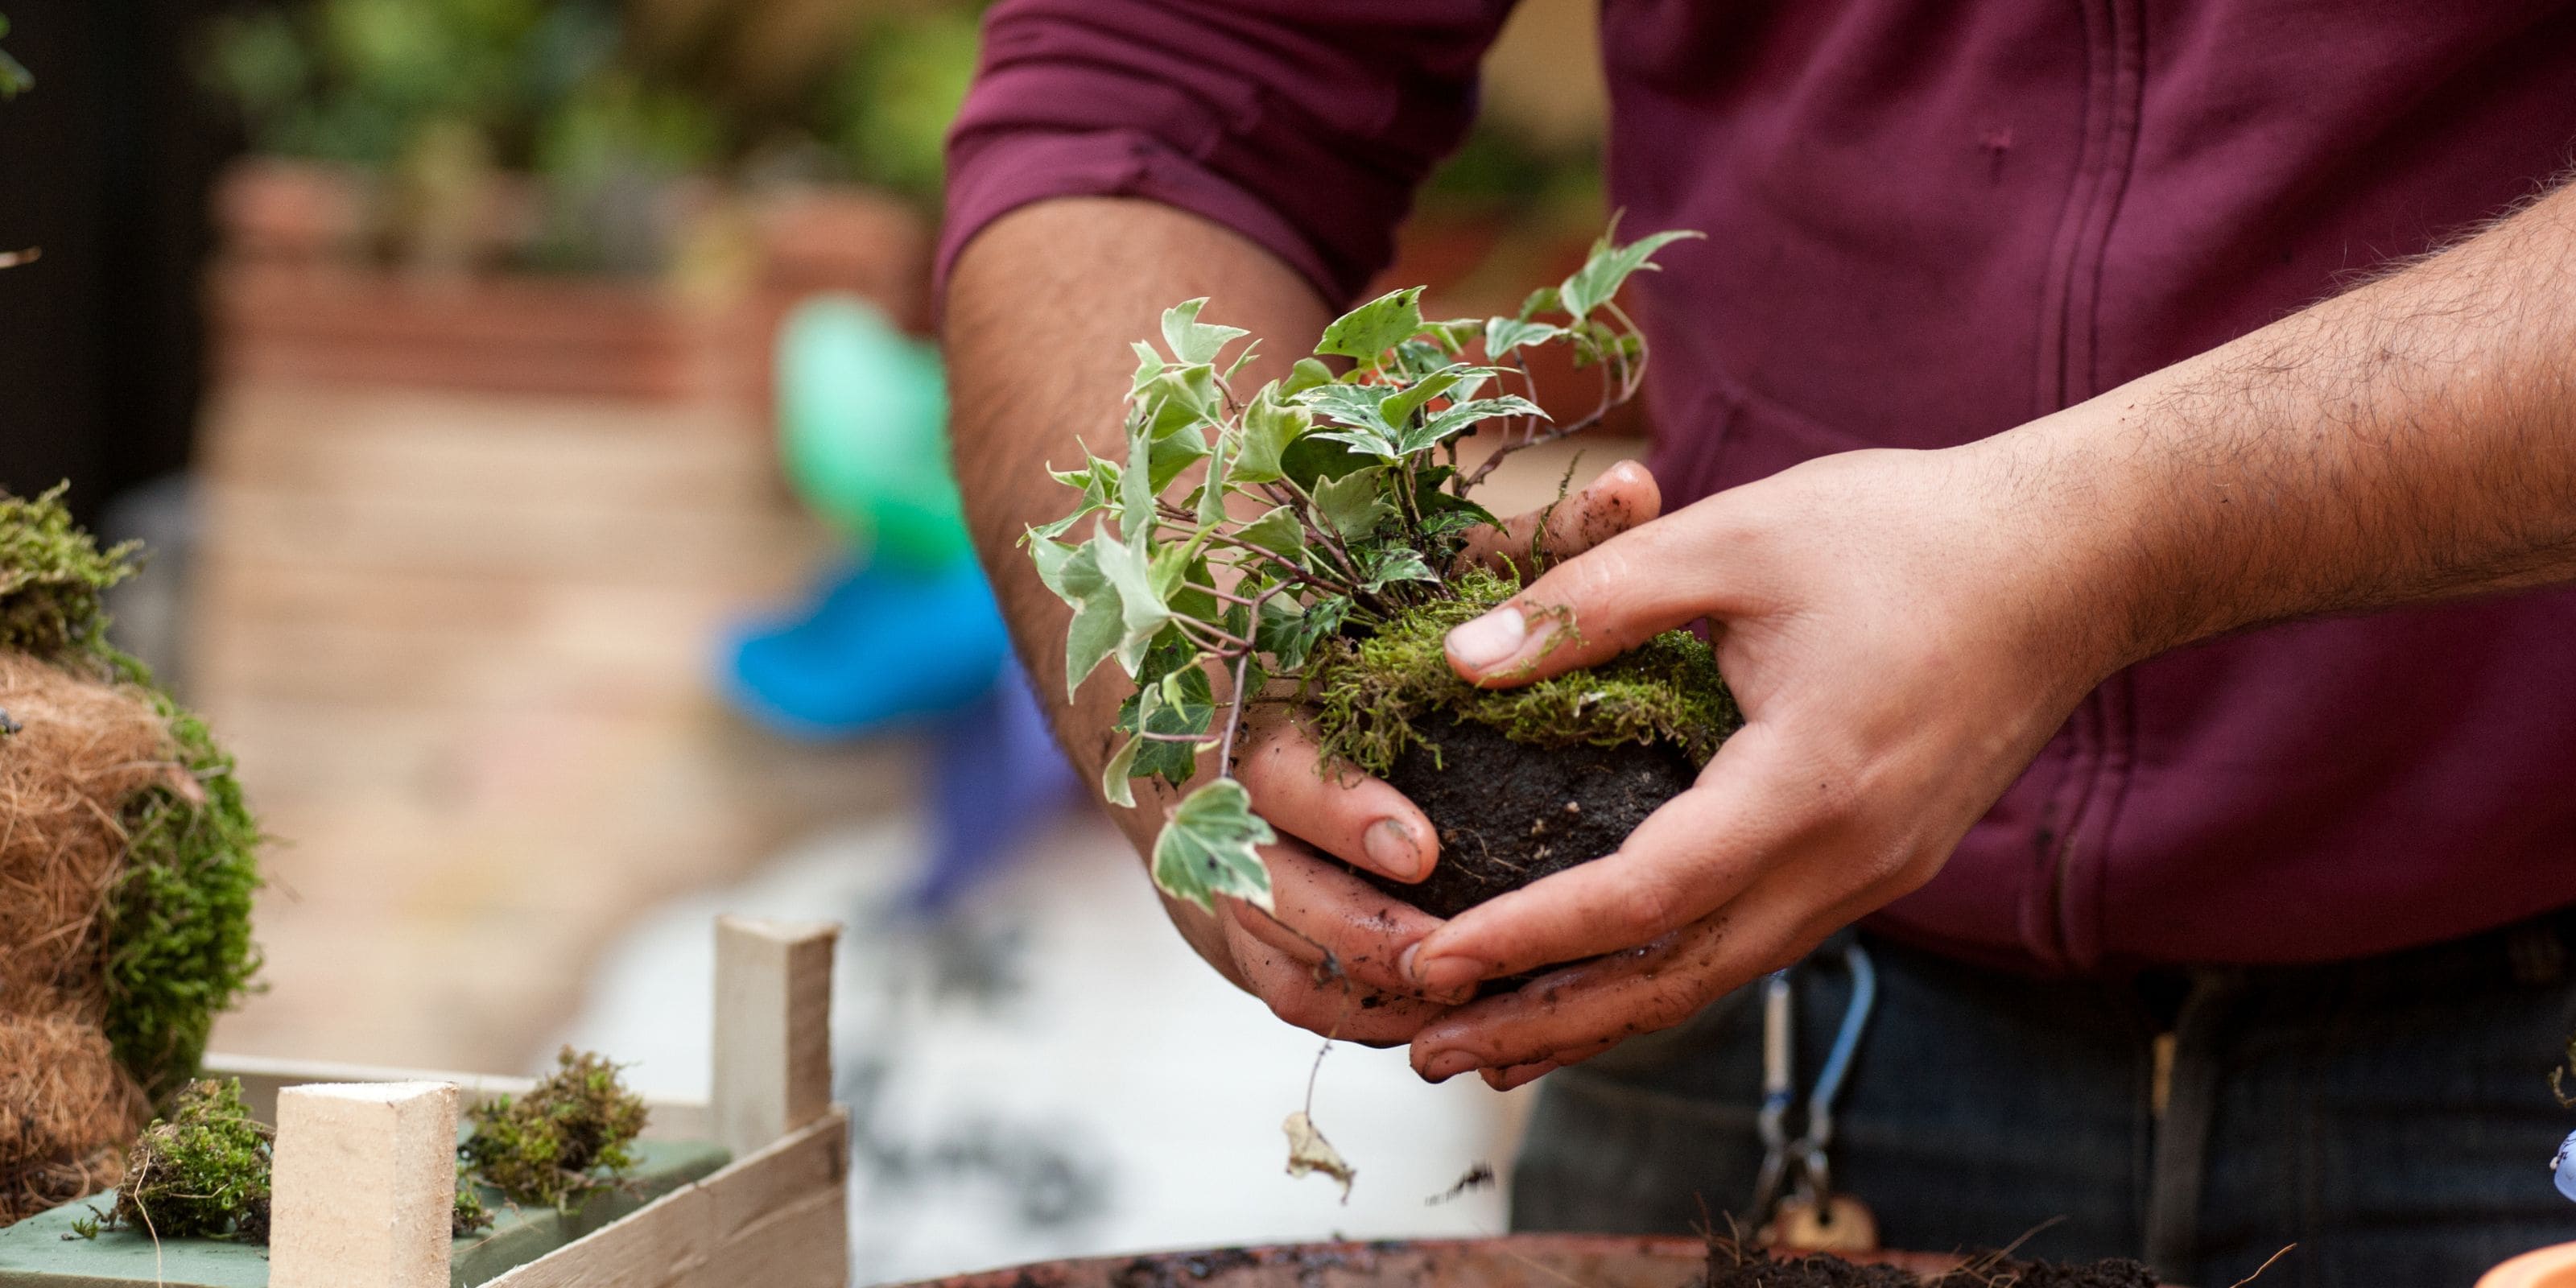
(1302, 124)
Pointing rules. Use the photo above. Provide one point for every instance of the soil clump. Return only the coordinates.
(1508, 813)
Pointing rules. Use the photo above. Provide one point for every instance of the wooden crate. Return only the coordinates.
(747, 1188)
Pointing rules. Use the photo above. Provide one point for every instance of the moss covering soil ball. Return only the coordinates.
(1521, 782)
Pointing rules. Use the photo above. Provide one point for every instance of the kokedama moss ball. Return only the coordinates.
(127, 864)
(1523, 782)
(550, 1145)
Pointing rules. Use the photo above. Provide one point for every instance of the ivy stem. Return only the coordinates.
(1233, 716)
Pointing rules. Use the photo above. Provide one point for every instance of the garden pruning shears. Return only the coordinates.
(1794, 1201)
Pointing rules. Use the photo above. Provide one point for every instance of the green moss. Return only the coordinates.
(177, 921)
(51, 576)
(1376, 693)
(562, 1141)
(470, 1213)
(201, 1172)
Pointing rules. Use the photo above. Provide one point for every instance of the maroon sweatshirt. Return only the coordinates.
(1928, 223)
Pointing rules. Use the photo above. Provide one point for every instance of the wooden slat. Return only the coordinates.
(262, 1077)
(796, 1235)
(365, 1175)
(773, 1029)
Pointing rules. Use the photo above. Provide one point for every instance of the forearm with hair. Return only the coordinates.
(1039, 312)
(2412, 439)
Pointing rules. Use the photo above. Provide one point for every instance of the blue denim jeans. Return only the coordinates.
(2392, 1117)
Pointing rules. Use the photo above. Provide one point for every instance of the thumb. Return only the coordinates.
(1589, 609)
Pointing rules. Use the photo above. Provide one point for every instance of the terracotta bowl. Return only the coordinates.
(1514, 1261)
(2551, 1267)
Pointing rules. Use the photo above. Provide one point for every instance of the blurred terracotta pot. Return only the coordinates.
(2552, 1267)
(1512, 1261)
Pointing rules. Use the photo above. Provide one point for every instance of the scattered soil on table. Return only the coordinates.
(1509, 813)
(1731, 1268)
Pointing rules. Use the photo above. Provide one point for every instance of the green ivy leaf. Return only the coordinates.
(1307, 374)
(1210, 848)
(1457, 380)
(1310, 460)
(1454, 334)
(1289, 633)
(1194, 341)
(1608, 269)
(1502, 335)
(1278, 532)
(1542, 300)
(1176, 700)
(1375, 327)
(1351, 504)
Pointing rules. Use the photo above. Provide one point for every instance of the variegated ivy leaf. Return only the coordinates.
(1502, 335)
(1385, 565)
(1609, 268)
(1099, 617)
(1210, 848)
(1141, 611)
(1194, 341)
(1463, 416)
(1270, 424)
(1121, 767)
(1181, 398)
(1351, 504)
(1212, 489)
(1454, 334)
(1375, 327)
(1149, 364)
(1136, 491)
(1356, 414)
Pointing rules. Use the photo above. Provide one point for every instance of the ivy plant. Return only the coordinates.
(1245, 534)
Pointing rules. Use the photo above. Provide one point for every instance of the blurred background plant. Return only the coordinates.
(604, 108)
(14, 79)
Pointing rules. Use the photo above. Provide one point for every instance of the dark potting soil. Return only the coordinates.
(1819, 1271)
(1509, 813)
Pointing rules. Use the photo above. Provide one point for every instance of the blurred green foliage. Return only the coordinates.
(14, 79)
(602, 103)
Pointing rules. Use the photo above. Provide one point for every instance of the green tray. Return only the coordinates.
(42, 1250)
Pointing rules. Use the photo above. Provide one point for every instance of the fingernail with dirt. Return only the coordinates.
(1441, 975)
(1489, 639)
(1393, 850)
(1452, 996)
(1446, 1065)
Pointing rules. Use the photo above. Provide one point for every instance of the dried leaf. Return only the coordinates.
(1308, 1151)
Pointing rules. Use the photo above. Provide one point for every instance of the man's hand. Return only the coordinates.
(1897, 667)
(1905, 630)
